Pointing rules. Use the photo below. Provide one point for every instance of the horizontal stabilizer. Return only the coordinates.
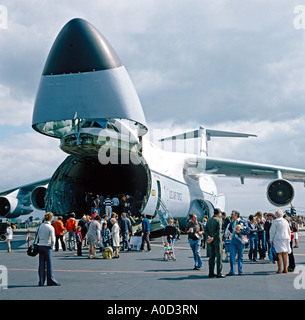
(205, 135)
(218, 133)
(209, 133)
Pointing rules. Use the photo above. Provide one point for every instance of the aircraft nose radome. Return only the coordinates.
(83, 78)
(80, 47)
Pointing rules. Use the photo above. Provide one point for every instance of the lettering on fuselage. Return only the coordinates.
(174, 195)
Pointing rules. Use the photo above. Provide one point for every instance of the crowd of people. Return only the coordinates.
(94, 231)
(265, 234)
(105, 220)
(268, 234)
(119, 203)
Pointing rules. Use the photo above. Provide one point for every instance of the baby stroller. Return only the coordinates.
(169, 253)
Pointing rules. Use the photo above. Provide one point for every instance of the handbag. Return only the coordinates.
(33, 249)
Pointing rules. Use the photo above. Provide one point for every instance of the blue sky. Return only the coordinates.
(229, 65)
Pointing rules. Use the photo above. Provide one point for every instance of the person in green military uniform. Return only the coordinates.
(214, 240)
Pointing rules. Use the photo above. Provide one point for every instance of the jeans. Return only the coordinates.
(45, 262)
(236, 246)
(171, 242)
(261, 244)
(271, 257)
(195, 246)
(71, 240)
(253, 242)
(125, 240)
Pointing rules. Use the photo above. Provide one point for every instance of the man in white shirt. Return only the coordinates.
(46, 241)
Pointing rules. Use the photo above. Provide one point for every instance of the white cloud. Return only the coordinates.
(15, 110)
(227, 65)
(27, 158)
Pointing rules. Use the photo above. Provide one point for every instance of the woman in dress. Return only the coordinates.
(115, 234)
(9, 236)
(94, 236)
(280, 236)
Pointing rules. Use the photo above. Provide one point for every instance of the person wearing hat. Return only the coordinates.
(214, 240)
(238, 228)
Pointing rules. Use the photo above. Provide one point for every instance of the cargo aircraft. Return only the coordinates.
(87, 100)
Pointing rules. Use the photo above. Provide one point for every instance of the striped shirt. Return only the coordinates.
(108, 202)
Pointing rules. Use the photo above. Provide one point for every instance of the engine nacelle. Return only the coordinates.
(280, 192)
(11, 207)
(38, 197)
(7, 205)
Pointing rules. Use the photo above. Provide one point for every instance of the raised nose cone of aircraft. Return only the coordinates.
(79, 47)
(83, 78)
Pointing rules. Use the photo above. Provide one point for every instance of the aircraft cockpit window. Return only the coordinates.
(102, 124)
(87, 124)
(97, 125)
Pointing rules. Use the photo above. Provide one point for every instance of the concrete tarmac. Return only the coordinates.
(140, 276)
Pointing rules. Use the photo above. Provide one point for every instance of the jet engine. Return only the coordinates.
(280, 192)
(38, 197)
(12, 206)
(7, 205)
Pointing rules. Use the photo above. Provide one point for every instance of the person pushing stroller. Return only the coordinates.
(170, 231)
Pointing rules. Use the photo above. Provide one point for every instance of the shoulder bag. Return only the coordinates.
(33, 249)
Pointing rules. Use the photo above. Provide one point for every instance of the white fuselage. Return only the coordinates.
(179, 192)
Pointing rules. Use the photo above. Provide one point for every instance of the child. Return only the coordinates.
(9, 236)
(79, 240)
(105, 234)
(168, 253)
(237, 234)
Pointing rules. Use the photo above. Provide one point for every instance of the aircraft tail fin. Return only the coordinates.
(205, 135)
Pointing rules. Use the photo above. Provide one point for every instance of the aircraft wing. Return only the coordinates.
(236, 168)
(19, 201)
(28, 187)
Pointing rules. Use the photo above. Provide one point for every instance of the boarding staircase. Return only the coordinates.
(163, 213)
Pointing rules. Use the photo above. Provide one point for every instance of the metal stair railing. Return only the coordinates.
(163, 214)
